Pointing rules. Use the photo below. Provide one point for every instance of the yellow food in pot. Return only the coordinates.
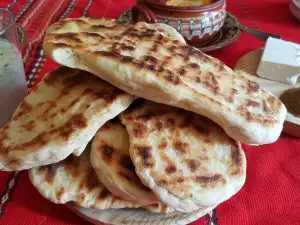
(184, 3)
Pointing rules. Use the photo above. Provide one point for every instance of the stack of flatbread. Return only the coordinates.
(136, 118)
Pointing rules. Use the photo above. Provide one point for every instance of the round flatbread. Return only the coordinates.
(111, 160)
(186, 159)
(58, 118)
(74, 180)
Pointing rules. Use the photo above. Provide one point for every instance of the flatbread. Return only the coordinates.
(59, 117)
(74, 180)
(276, 88)
(186, 159)
(167, 30)
(145, 63)
(111, 160)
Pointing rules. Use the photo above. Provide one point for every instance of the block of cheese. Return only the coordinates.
(280, 61)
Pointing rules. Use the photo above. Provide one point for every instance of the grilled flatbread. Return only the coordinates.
(167, 30)
(276, 88)
(111, 161)
(144, 62)
(74, 180)
(57, 118)
(186, 159)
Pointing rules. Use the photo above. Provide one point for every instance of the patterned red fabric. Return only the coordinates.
(271, 194)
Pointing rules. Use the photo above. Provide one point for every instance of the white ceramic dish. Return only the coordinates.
(136, 216)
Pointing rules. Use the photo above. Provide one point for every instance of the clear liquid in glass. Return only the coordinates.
(13, 87)
(12, 80)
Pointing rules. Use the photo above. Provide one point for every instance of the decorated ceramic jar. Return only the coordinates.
(195, 23)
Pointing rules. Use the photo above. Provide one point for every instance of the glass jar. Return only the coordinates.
(13, 86)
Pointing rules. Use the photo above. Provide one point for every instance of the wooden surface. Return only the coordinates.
(249, 62)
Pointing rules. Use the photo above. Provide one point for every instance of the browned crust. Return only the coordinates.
(124, 39)
(173, 122)
(71, 79)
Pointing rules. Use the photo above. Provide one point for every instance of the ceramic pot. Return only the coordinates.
(195, 24)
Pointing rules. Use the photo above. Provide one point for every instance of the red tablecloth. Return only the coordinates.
(271, 194)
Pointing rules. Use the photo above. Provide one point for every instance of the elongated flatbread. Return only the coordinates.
(74, 180)
(186, 159)
(111, 161)
(276, 89)
(167, 30)
(144, 62)
(57, 118)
